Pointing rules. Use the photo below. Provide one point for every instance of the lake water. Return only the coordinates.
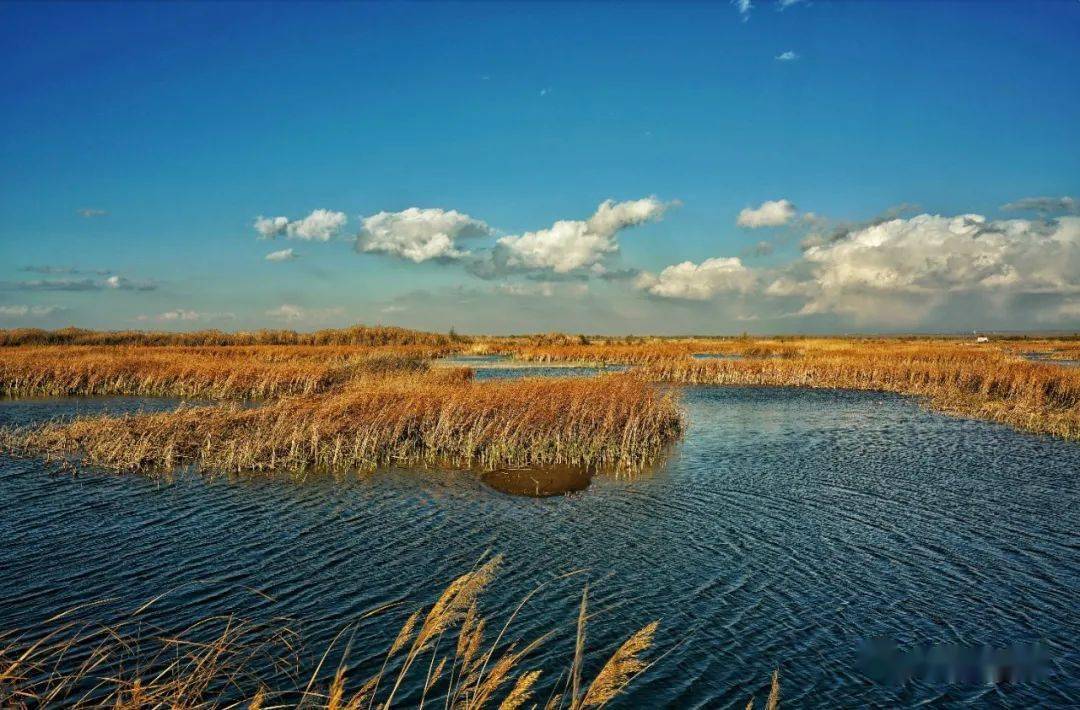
(789, 525)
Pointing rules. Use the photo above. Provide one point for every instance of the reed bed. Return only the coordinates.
(448, 652)
(435, 419)
(987, 381)
(196, 372)
(367, 336)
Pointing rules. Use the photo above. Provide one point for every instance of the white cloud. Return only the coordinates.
(114, 283)
(121, 283)
(907, 267)
(788, 56)
(574, 244)
(90, 212)
(292, 313)
(186, 316)
(21, 311)
(744, 7)
(544, 289)
(320, 226)
(772, 213)
(699, 282)
(282, 255)
(270, 227)
(419, 234)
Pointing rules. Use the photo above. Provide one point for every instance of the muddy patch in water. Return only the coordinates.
(539, 482)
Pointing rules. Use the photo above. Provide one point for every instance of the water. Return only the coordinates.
(501, 367)
(787, 526)
(1044, 358)
(717, 356)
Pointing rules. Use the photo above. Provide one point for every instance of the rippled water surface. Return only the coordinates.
(787, 526)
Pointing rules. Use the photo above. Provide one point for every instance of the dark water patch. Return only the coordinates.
(789, 525)
(539, 482)
(717, 356)
(502, 367)
(1047, 360)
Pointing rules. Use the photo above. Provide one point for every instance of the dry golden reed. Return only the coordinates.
(987, 381)
(439, 418)
(255, 372)
(222, 662)
(367, 336)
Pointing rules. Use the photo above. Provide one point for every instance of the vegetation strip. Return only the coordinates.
(438, 418)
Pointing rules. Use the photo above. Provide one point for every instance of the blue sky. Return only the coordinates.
(139, 142)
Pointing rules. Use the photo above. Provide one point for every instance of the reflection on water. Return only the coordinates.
(716, 356)
(790, 525)
(539, 482)
(1046, 359)
(501, 367)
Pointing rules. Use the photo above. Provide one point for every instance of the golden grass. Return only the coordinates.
(987, 381)
(221, 662)
(196, 372)
(344, 407)
(439, 418)
(367, 336)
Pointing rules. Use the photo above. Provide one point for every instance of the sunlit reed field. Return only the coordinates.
(459, 656)
(437, 419)
(364, 398)
(994, 381)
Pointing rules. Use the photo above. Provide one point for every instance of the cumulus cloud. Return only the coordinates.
(1044, 205)
(21, 311)
(788, 56)
(744, 7)
(270, 227)
(319, 226)
(575, 244)
(292, 313)
(946, 270)
(907, 267)
(89, 212)
(282, 255)
(699, 282)
(186, 316)
(771, 213)
(419, 235)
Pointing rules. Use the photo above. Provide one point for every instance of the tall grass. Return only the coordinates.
(440, 418)
(200, 372)
(988, 382)
(356, 335)
(449, 653)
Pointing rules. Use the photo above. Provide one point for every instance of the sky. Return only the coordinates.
(711, 168)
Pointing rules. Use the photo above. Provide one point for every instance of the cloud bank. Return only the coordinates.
(112, 283)
(1044, 205)
(904, 270)
(291, 313)
(183, 315)
(22, 311)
